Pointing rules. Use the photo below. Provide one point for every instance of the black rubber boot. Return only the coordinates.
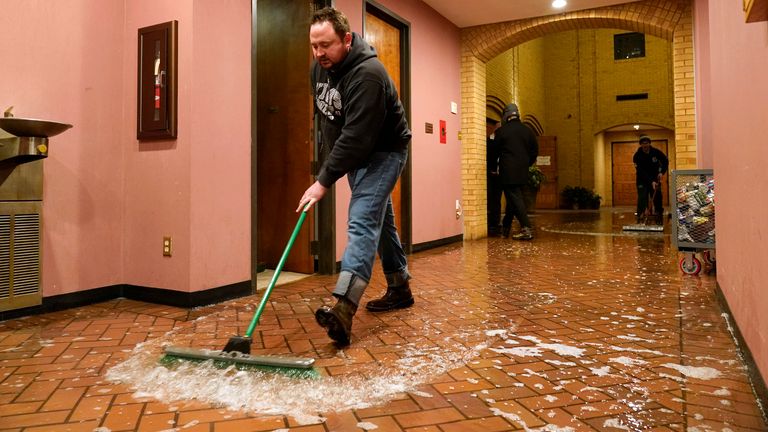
(398, 297)
(337, 320)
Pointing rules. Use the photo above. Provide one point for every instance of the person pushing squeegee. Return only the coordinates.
(650, 166)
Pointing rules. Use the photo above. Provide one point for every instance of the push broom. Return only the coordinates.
(647, 214)
(237, 351)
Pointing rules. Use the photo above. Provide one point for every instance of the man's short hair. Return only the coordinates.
(334, 16)
(645, 139)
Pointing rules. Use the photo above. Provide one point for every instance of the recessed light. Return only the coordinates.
(637, 127)
(559, 4)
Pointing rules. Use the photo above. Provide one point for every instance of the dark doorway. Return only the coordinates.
(283, 140)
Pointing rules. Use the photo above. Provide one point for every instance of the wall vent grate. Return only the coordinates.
(5, 256)
(26, 254)
(20, 251)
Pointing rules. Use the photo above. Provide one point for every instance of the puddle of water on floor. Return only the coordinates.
(302, 399)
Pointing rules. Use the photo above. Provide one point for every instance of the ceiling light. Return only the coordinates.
(637, 127)
(559, 4)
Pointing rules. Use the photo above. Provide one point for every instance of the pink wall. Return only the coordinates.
(108, 199)
(732, 102)
(435, 46)
(157, 173)
(221, 144)
(63, 61)
(195, 188)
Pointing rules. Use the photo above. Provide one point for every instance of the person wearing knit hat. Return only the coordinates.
(650, 165)
(518, 150)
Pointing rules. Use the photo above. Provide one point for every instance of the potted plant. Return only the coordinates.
(531, 189)
(578, 197)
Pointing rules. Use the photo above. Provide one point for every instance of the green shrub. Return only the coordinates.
(580, 197)
(535, 177)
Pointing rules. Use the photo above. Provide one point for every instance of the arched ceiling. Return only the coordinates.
(479, 12)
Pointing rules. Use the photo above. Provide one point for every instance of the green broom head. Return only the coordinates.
(299, 368)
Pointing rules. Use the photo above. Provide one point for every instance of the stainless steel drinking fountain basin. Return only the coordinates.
(24, 127)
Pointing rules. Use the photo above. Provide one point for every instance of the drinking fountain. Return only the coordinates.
(23, 147)
(29, 140)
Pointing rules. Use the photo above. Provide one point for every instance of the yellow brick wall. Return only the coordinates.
(562, 97)
(685, 117)
(529, 80)
(669, 20)
(651, 74)
(499, 82)
(582, 80)
(473, 144)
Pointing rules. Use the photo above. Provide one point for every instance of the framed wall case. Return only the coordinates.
(157, 77)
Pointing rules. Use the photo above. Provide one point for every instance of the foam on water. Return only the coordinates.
(704, 373)
(274, 394)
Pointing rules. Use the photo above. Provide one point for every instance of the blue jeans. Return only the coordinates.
(372, 227)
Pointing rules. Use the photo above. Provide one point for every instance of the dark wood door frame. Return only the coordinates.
(254, 149)
(406, 209)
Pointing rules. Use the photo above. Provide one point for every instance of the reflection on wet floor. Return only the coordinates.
(584, 328)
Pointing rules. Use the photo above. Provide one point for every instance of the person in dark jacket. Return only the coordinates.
(362, 119)
(650, 165)
(518, 150)
(493, 184)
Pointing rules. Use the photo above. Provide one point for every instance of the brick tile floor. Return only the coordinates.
(585, 328)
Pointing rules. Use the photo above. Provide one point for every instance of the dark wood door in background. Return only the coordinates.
(386, 39)
(623, 172)
(284, 140)
(548, 197)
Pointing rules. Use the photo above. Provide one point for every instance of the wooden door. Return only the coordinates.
(386, 39)
(284, 124)
(547, 162)
(623, 172)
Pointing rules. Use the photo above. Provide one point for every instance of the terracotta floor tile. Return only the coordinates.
(38, 391)
(579, 331)
(563, 420)
(35, 419)
(156, 422)
(123, 417)
(88, 426)
(489, 424)
(436, 416)
(208, 415)
(63, 398)
(392, 408)
(18, 408)
(89, 408)
(250, 425)
(516, 414)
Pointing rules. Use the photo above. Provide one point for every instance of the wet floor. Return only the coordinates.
(586, 328)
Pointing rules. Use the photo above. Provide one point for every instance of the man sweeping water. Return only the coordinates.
(650, 165)
(362, 120)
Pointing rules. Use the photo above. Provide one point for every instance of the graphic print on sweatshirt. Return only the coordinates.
(328, 100)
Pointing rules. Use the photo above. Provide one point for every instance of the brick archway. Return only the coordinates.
(667, 19)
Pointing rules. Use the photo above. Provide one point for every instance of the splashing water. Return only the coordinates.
(275, 394)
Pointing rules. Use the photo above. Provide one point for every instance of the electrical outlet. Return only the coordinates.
(167, 246)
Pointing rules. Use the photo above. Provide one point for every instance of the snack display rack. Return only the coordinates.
(692, 194)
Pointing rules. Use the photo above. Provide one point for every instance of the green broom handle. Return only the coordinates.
(279, 268)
